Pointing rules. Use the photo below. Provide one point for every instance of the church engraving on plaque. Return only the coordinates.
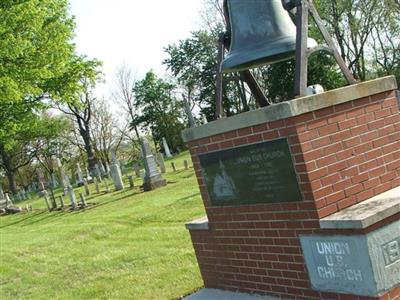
(257, 173)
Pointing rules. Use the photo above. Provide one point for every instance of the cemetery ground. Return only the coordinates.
(130, 245)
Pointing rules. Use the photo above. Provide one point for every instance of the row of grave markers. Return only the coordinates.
(150, 175)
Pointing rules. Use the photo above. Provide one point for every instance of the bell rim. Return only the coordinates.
(275, 55)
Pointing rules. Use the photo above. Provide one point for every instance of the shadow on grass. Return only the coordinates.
(107, 202)
(33, 218)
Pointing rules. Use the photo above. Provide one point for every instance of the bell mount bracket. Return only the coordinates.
(303, 9)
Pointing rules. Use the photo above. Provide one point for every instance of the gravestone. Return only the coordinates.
(71, 195)
(98, 172)
(86, 185)
(46, 200)
(166, 148)
(61, 202)
(130, 179)
(64, 177)
(79, 175)
(96, 184)
(136, 168)
(3, 201)
(160, 159)
(54, 182)
(83, 200)
(8, 200)
(186, 164)
(173, 166)
(107, 186)
(116, 177)
(152, 178)
(88, 177)
(2, 197)
(102, 170)
(142, 174)
(114, 159)
(53, 200)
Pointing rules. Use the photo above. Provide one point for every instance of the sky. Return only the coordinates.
(133, 32)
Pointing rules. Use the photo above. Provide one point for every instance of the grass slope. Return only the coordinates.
(131, 245)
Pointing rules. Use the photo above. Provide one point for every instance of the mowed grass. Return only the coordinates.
(130, 245)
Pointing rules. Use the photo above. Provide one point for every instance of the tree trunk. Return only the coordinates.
(85, 134)
(7, 164)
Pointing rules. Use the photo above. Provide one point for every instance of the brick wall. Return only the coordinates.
(342, 155)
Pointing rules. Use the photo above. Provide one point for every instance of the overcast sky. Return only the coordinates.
(132, 31)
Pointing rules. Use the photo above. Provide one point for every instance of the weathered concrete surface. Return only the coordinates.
(199, 224)
(292, 108)
(366, 213)
(365, 265)
(214, 294)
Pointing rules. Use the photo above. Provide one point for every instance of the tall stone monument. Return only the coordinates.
(72, 197)
(161, 162)
(166, 148)
(152, 178)
(79, 175)
(54, 182)
(64, 177)
(2, 197)
(116, 175)
(303, 197)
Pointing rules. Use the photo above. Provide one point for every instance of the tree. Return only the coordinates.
(28, 142)
(105, 134)
(160, 110)
(52, 145)
(193, 62)
(81, 77)
(367, 33)
(125, 82)
(35, 43)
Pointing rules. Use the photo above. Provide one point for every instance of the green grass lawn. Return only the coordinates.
(131, 245)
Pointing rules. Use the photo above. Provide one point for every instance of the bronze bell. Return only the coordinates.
(261, 32)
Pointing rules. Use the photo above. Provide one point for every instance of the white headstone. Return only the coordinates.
(2, 197)
(160, 159)
(71, 196)
(79, 175)
(116, 177)
(204, 119)
(166, 148)
(152, 177)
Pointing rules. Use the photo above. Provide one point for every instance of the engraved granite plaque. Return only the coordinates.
(257, 173)
(365, 265)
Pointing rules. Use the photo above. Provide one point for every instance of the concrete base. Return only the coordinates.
(214, 294)
(149, 185)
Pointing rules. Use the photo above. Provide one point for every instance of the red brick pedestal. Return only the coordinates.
(345, 147)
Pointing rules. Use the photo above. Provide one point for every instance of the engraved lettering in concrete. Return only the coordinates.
(391, 251)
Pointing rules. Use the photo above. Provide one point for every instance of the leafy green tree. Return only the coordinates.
(28, 142)
(367, 33)
(193, 62)
(80, 78)
(35, 43)
(160, 110)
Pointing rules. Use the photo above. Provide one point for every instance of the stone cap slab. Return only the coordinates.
(366, 213)
(215, 294)
(198, 224)
(292, 108)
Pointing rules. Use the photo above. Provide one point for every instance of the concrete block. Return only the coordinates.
(364, 265)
